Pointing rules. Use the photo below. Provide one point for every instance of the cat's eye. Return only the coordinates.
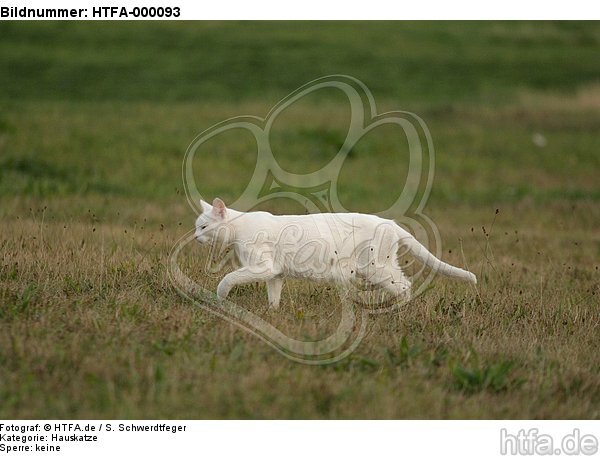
(203, 226)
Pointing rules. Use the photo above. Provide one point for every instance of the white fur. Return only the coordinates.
(343, 248)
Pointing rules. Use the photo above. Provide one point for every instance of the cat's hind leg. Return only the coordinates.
(274, 291)
(394, 282)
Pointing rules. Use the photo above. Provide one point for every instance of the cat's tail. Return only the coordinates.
(419, 251)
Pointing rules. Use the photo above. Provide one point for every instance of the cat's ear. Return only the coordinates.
(206, 208)
(219, 208)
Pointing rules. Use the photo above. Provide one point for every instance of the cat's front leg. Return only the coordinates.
(244, 275)
(274, 292)
(223, 288)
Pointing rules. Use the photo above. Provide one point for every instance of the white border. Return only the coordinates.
(348, 9)
(302, 438)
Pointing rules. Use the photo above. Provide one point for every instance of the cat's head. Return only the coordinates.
(211, 219)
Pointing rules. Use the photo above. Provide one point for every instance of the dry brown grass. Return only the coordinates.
(91, 327)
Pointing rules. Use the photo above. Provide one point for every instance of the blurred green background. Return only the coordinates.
(404, 62)
(109, 108)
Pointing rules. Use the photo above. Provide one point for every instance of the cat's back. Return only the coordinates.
(327, 219)
(262, 219)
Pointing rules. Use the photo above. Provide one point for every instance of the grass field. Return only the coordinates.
(94, 122)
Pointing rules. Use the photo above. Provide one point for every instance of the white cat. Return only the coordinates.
(342, 248)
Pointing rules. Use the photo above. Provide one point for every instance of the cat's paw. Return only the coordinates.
(222, 291)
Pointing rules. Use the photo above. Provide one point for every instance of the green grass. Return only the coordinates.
(436, 62)
(95, 119)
